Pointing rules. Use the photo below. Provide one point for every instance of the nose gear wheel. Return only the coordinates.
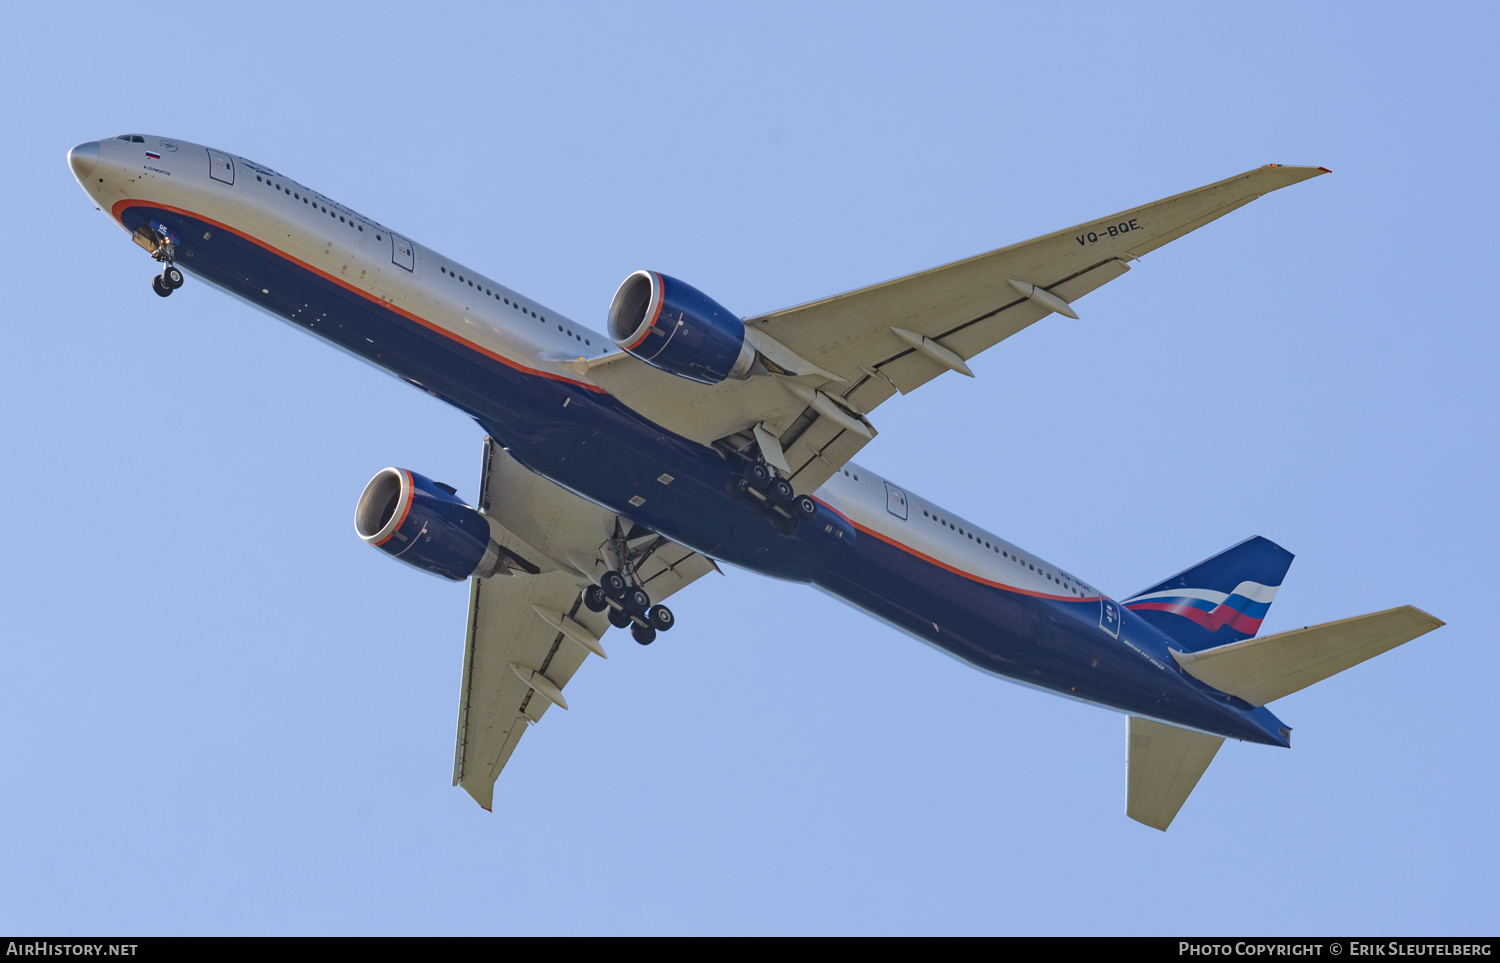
(159, 242)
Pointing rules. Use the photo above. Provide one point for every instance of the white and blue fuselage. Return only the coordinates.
(511, 364)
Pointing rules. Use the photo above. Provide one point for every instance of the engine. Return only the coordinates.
(675, 327)
(425, 524)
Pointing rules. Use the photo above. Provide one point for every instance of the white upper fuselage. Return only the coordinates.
(360, 253)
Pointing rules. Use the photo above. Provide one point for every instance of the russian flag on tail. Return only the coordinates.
(1220, 600)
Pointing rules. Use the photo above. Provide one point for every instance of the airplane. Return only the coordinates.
(620, 467)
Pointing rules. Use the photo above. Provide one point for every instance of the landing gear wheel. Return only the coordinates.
(643, 634)
(613, 584)
(620, 618)
(784, 525)
(739, 489)
(757, 474)
(593, 599)
(805, 506)
(637, 601)
(661, 618)
(781, 490)
(159, 287)
(172, 277)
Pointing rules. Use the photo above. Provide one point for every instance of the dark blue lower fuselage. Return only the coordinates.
(588, 442)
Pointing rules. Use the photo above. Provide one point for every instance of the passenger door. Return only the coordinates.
(895, 501)
(220, 166)
(402, 254)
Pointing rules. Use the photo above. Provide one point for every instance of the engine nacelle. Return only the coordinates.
(426, 525)
(675, 327)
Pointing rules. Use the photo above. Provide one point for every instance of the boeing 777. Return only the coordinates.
(620, 467)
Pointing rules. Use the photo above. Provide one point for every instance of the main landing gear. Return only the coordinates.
(628, 606)
(772, 496)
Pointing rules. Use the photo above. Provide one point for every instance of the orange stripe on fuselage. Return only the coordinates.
(944, 565)
(430, 325)
(438, 329)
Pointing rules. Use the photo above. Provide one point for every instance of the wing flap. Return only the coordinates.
(819, 452)
(495, 705)
(672, 567)
(1265, 669)
(508, 621)
(844, 332)
(1166, 763)
(845, 345)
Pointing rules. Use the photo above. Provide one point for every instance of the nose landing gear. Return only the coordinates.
(158, 239)
(169, 280)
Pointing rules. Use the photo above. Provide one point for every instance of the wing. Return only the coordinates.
(529, 632)
(837, 359)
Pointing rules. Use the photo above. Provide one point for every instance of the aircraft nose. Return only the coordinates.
(83, 159)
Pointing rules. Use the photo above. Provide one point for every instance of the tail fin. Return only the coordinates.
(1220, 600)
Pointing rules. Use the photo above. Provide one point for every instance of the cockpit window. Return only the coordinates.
(132, 138)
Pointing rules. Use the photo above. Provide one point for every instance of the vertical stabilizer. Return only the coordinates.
(1220, 600)
(1165, 764)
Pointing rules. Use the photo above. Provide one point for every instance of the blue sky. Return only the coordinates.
(222, 713)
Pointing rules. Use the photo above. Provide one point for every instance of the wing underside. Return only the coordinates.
(833, 361)
(529, 633)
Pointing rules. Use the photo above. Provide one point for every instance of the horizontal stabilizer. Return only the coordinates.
(1166, 762)
(1261, 670)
